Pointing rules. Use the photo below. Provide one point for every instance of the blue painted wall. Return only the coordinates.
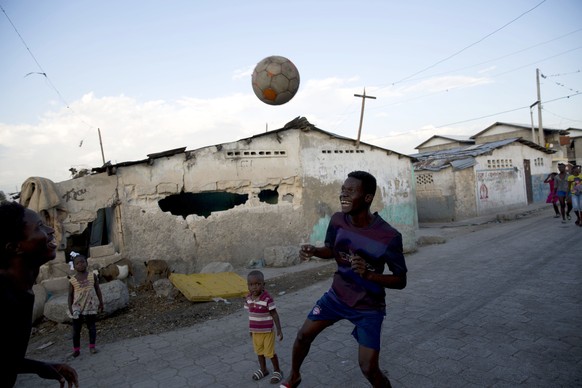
(539, 188)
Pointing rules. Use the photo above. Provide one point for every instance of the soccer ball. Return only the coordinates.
(275, 80)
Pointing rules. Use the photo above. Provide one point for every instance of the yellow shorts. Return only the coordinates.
(264, 344)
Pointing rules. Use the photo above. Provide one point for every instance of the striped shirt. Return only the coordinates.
(260, 319)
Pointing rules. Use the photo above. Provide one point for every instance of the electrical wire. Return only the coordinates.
(562, 117)
(469, 46)
(561, 84)
(493, 60)
(43, 72)
(477, 81)
(488, 115)
(506, 111)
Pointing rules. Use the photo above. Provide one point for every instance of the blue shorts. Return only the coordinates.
(368, 323)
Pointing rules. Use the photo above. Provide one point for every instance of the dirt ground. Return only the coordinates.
(148, 314)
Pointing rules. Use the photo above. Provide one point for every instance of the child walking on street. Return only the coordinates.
(262, 316)
(85, 301)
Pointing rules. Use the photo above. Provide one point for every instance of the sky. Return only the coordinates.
(155, 75)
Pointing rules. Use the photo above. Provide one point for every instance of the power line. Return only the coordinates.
(489, 115)
(465, 48)
(44, 73)
(506, 111)
(539, 61)
(482, 117)
(497, 59)
(561, 84)
(469, 46)
(562, 117)
(479, 80)
(343, 116)
(562, 98)
(561, 74)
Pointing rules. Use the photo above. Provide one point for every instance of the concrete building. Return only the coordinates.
(442, 142)
(557, 140)
(572, 146)
(233, 202)
(562, 141)
(483, 178)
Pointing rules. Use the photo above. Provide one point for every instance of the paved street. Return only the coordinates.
(496, 307)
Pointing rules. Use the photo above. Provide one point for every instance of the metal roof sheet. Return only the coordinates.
(464, 157)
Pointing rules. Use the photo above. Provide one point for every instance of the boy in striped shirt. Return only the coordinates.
(262, 315)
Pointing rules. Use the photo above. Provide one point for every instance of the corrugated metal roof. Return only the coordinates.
(464, 157)
(463, 163)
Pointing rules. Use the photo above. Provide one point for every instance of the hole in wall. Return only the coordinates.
(201, 204)
(269, 196)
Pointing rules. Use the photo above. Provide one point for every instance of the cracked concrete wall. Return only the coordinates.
(435, 195)
(326, 163)
(295, 163)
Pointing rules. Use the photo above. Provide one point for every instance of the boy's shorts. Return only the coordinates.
(368, 323)
(264, 344)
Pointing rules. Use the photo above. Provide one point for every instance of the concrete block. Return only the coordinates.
(58, 285)
(103, 261)
(53, 269)
(167, 188)
(102, 250)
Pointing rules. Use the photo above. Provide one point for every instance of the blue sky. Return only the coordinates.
(157, 75)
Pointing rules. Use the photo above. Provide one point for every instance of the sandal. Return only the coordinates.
(259, 374)
(277, 377)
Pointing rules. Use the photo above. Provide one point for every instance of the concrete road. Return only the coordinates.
(498, 305)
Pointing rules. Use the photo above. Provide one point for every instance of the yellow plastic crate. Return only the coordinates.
(203, 287)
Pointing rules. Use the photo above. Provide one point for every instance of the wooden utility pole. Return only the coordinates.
(101, 145)
(541, 128)
(363, 96)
